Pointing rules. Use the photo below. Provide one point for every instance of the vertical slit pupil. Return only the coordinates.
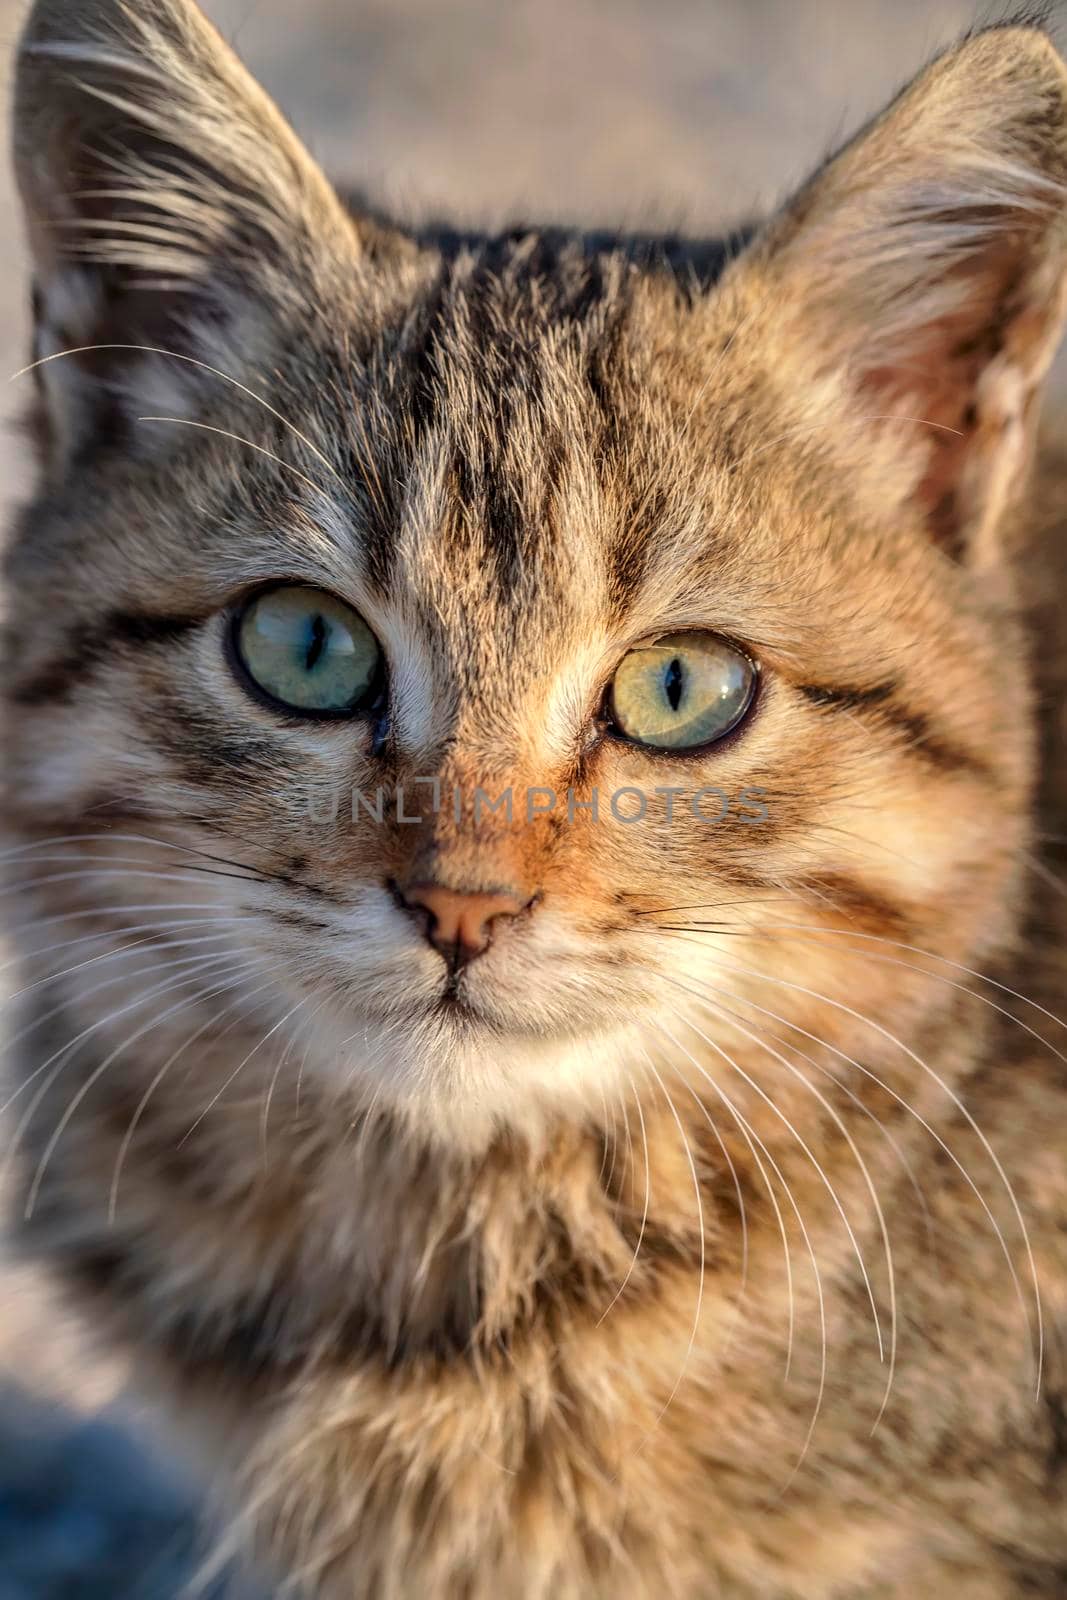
(319, 633)
(674, 684)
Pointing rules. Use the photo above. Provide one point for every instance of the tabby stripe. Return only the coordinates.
(869, 909)
(250, 1337)
(878, 704)
(88, 646)
(243, 1345)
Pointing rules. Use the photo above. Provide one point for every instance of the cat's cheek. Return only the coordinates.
(67, 760)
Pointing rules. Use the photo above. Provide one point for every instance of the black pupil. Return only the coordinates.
(316, 643)
(674, 684)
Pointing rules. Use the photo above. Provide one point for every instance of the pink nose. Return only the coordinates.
(460, 924)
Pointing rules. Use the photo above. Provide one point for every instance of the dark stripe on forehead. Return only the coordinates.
(505, 526)
(696, 264)
(472, 360)
(86, 646)
(880, 707)
(618, 447)
(388, 397)
(633, 547)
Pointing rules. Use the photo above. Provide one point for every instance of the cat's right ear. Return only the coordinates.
(915, 290)
(168, 205)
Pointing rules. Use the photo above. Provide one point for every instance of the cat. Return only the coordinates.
(532, 767)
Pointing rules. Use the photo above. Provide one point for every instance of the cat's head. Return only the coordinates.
(339, 528)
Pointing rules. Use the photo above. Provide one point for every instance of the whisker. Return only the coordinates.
(924, 1123)
(816, 1164)
(260, 449)
(106, 955)
(629, 1137)
(644, 1214)
(703, 1244)
(753, 1139)
(142, 1105)
(605, 1183)
(176, 355)
(240, 963)
(851, 1095)
(872, 1191)
(217, 1096)
(836, 422)
(264, 1121)
(115, 911)
(742, 1210)
(95, 988)
(768, 930)
(1045, 873)
(144, 872)
(986, 1146)
(60, 1058)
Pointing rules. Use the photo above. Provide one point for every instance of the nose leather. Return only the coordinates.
(460, 923)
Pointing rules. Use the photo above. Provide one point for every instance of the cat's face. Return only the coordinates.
(702, 590)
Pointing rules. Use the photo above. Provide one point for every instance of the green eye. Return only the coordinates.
(308, 651)
(681, 692)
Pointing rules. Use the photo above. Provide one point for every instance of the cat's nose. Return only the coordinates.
(458, 923)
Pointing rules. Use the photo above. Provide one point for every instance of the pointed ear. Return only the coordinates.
(924, 272)
(168, 204)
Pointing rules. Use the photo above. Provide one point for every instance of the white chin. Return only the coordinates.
(459, 1079)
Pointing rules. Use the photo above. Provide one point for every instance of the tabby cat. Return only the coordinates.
(529, 845)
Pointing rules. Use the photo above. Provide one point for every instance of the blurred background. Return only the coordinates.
(654, 113)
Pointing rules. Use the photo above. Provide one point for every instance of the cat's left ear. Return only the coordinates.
(168, 204)
(923, 275)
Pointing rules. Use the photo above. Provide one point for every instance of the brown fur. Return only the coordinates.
(596, 1287)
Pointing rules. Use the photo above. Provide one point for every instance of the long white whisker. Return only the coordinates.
(861, 1164)
(703, 1245)
(835, 422)
(772, 930)
(142, 1104)
(852, 1096)
(240, 963)
(204, 366)
(116, 911)
(735, 1177)
(94, 988)
(949, 1152)
(816, 1164)
(607, 1182)
(237, 438)
(264, 1121)
(105, 955)
(152, 866)
(753, 1139)
(61, 1058)
(644, 1214)
(972, 1124)
(217, 1096)
(787, 1257)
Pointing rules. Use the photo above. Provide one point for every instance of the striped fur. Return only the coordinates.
(591, 1281)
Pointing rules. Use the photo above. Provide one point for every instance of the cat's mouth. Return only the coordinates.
(454, 1006)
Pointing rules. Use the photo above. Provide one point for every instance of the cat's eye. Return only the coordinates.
(308, 651)
(682, 691)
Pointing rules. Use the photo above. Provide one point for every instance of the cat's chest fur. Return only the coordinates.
(539, 1373)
